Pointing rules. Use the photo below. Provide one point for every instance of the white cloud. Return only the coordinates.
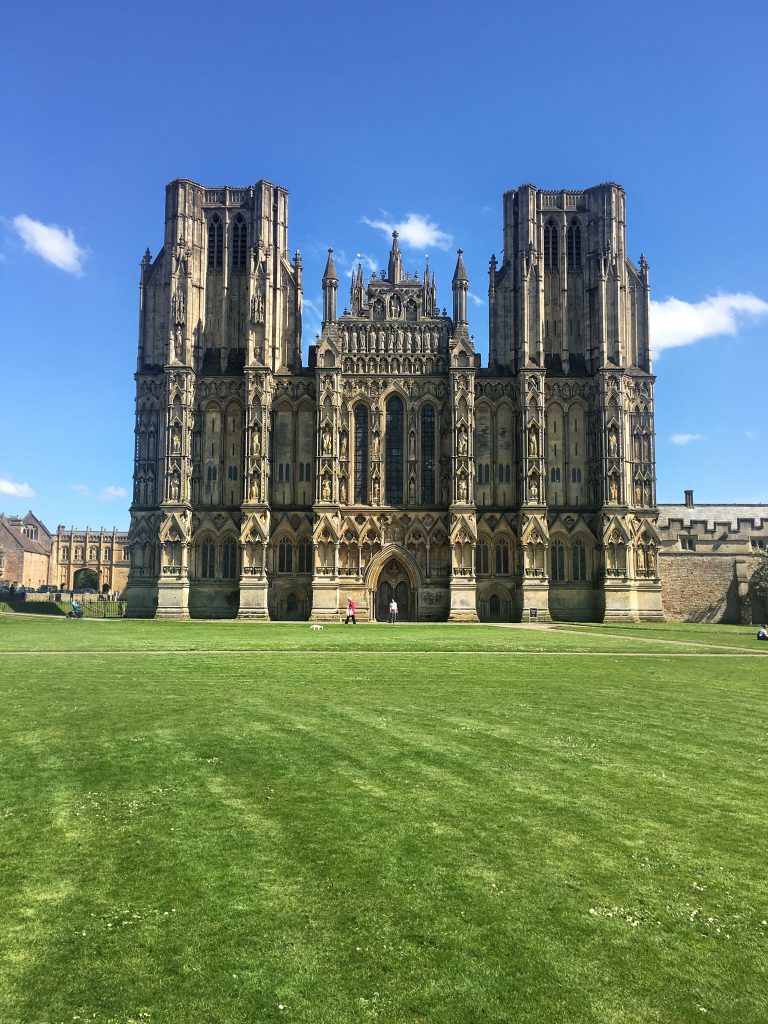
(56, 245)
(415, 231)
(101, 493)
(15, 490)
(476, 299)
(675, 323)
(750, 434)
(685, 438)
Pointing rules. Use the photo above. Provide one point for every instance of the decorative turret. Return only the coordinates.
(357, 292)
(460, 286)
(395, 268)
(330, 288)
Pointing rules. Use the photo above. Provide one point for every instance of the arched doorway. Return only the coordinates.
(86, 579)
(394, 581)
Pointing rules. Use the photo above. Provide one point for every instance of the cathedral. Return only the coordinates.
(394, 464)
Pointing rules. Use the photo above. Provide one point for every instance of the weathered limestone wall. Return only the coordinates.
(708, 587)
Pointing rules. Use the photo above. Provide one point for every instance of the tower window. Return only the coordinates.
(305, 556)
(239, 243)
(574, 245)
(579, 561)
(285, 556)
(208, 568)
(550, 245)
(502, 558)
(215, 243)
(228, 560)
(483, 558)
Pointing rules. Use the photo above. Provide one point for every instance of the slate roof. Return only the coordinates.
(714, 515)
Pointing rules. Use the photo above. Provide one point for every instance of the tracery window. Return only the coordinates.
(576, 475)
(557, 561)
(285, 556)
(215, 243)
(502, 558)
(554, 475)
(239, 243)
(574, 245)
(228, 560)
(483, 558)
(305, 556)
(550, 245)
(394, 451)
(361, 454)
(208, 566)
(579, 561)
(428, 455)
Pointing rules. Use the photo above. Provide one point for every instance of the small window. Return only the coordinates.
(280, 473)
(759, 543)
(287, 473)
(301, 472)
(688, 543)
(211, 473)
(554, 475)
(576, 475)
(507, 473)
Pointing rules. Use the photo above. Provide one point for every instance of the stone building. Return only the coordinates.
(31, 556)
(708, 556)
(394, 463)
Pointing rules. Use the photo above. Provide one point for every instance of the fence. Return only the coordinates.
(92, 609)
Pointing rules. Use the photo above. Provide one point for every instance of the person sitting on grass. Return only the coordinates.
(762, 633)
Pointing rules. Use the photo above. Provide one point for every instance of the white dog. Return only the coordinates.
(316, 626)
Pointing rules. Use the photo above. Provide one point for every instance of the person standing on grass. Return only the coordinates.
(350, 613)
(393, 610)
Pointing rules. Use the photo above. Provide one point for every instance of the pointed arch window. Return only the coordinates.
(550, 245)
(579, 561)
(394, 451)
(285, 556)
(428, 455)
(557, 561)
(502, 558)
(215, 243)
(361, 454)
(239, 243)
(208, 566)
(483, 559)
(228, 560)
(305, 556)
(574, 245)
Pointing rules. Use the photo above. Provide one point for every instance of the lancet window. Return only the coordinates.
(361, 454)
(574, 245)
(394, 451)
(550, 245)
(239, 243)
(428, 455)
(215, 243)
(557, 561)
(228, 560)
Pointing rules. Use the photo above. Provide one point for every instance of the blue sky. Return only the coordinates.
(419, 117)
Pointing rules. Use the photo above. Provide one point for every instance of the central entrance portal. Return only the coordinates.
(394, 582)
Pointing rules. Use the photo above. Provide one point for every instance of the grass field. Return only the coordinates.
(232, 823)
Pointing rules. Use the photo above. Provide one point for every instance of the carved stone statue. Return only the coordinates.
(255, 441)
(613, 490)
(178, 341)
(534, 490)
(327, 440)
(613, 443)
(638, 494)
(412, 490)
(325, 491)
(255, 487)
(344, 446)
(343, 492)
(462, 490)
(463, 442)
(174, 488)
(175, 441)
(412, 446)
(375, 445)
(533, 443)
(376, 491)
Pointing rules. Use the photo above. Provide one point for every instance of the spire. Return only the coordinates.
(395, 269)
(460, 288)
(330, 287)
(356, 291)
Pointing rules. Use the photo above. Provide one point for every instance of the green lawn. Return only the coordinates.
(194, 837)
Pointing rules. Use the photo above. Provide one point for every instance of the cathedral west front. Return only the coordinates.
(394, 464)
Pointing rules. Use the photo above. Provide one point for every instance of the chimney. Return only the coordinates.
(689, 499)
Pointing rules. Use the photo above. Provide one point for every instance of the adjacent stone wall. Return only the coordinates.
(706, 587)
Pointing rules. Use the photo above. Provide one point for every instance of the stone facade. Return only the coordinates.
(394, 464)
(708, 556)
(31, 556)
